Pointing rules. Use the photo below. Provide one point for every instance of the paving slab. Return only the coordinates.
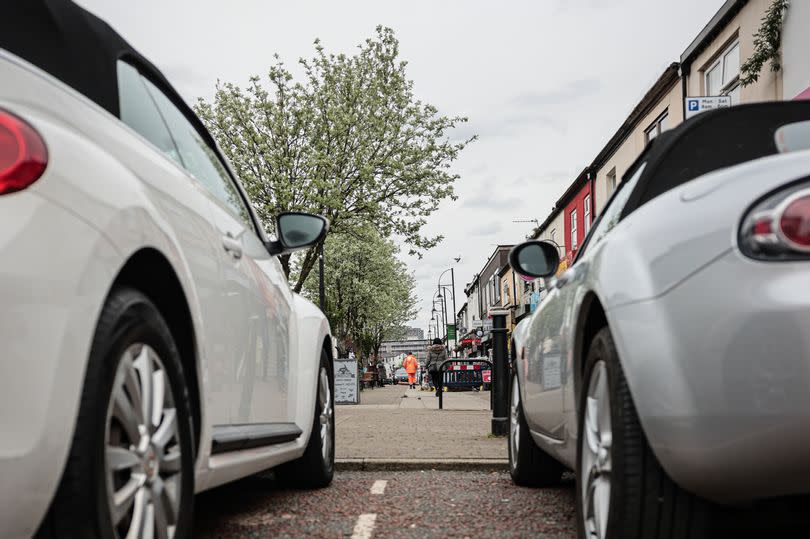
(406, 423)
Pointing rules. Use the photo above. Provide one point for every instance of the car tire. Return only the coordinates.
(133, 361)
(316, 467)
(624, 493)
(529, 465)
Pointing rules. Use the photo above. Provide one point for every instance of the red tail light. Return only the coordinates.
(23, 155)
(778, 226)
(794, 222)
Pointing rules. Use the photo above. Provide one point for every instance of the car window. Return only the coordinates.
(612, 214)
(197, 157)
(138, 111)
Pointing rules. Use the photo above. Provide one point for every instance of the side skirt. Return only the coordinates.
(238, 437)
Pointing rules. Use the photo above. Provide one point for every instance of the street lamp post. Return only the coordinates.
(444, 314)
(453, 290)
(437, 296)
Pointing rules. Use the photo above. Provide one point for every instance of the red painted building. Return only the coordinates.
(578, 216)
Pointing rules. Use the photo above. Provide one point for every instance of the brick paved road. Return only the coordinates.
(412, 505)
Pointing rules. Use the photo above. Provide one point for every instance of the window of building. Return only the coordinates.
(723, 76)
(586, 214)
(574, 230)
(660, 125)
(611, 181)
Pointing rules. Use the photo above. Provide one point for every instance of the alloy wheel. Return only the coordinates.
(514, 423)
(595, 462)
(142, 450)
(325, 400)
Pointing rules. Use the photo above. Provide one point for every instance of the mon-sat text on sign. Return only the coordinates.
(696, 105)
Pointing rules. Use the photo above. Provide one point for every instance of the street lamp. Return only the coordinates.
(437, 297)
(453, 289)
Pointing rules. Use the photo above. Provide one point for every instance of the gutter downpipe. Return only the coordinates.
(592, 190)
(682, 75)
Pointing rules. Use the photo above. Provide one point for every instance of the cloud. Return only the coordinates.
(551, 177)
(488, 198)
(569, 92)
(485, 230)
(512, 123)
(530, 110)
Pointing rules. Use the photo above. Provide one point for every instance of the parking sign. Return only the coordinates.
(696, 105)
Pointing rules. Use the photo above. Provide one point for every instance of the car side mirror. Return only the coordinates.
(535, 259)
(296, 231)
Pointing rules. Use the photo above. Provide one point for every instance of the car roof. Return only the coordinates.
(710, 141)
(81, 50)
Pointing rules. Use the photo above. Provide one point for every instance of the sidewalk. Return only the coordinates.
(403, 428)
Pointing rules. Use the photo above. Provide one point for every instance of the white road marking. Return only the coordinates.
(379, 486)
(365, 526)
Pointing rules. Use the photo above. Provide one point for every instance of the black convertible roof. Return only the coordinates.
(80, 49)
(710, 141)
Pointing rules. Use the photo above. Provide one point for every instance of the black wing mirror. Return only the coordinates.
(296, 231)
(535, 259)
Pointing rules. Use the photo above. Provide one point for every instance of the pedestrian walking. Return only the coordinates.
(411, 365)
(437, 354)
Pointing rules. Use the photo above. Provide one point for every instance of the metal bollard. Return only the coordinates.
(500, 385)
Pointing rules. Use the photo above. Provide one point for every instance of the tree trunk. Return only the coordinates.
(306, 267)
(285, 265)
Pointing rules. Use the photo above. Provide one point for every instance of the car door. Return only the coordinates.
(581, 281)
(255, 302)
(545, 360)
(185, 205)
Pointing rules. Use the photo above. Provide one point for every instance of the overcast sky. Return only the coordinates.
(545, 84)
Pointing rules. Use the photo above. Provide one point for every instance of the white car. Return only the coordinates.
(151, 345)
(669, 365)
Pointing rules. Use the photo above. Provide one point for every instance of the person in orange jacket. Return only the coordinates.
(411, 365)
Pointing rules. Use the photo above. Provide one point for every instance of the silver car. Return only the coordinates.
(669, 366)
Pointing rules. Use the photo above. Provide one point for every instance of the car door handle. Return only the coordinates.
(232, 245)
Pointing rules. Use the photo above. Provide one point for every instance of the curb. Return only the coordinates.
(370, 464)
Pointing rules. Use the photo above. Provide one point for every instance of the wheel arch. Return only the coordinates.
(150, 272)
(592, 318)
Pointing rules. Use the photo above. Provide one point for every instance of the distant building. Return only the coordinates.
(482, 293)
(414, 334)
(390, 349)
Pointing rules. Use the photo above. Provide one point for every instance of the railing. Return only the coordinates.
(461, 368)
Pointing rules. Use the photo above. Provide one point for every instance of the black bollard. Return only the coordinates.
(500, 383)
